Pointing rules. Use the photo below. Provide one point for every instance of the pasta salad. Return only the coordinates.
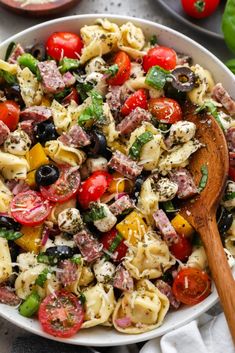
(94, 153)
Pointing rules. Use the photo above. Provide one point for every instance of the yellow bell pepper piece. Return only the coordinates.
(30, 179)
(31, 239)
(182, 226)
(45, 102)
(132, 228)
(117, 184)
(36, 156)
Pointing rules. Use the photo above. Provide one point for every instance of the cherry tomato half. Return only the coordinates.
(136, 99)
(161, 56)
(182, 249)
(61, 314)
(93, 188)
(64, 44)
(199, 8)
(9, 114)
(107, 239)
(30, 208)
(124, 69)
(73, 95)
(65, 187)
(165, 110)
(191, 286)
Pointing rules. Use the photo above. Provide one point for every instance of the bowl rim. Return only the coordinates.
(209, 301)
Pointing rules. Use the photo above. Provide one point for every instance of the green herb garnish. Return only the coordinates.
(204, 178)
(140, 141)
(47, 259)
(153, 40)
(157, 77)
(10, 234)
(212, 109)
(8, 77)
(82, 299)
(112, 70)
(96, 213)
(94, 112)
(9, 50)
(67, 64)
(76, 259)
(42, 277)
(229, 196)
(169, 207)
(61, 95)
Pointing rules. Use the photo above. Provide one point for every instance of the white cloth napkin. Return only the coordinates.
(208, 335)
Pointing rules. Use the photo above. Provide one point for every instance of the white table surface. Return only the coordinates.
(149, 9)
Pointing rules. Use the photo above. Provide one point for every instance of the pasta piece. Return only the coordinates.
(30, 88)
(150, 258)
(179, 157)
(99, 305)
(132, 40)
(51, 285)
(151, 151)
(198, 258)
(109, 128)
(62, 154)
(96, 65)
(11, 68)
(60, 117)
(13, 167)
(5, 197)
(99, 39)
(25, 282)
(206, 83)
(141, 310)
(5, 260)
(26, 260)
(148, 200)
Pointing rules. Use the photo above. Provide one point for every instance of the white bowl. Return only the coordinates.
(103, 336)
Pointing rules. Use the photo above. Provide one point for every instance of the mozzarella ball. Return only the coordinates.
(70, 221)
(94, 164)
(103, 270)
(167, 189)
(182, 131)
(17, 143)
(108, 222)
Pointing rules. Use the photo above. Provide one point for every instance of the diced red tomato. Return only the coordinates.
(191, 286)
(161, 56)
(64, 44)
(165, 110)
(73, 95)
(61, 314)
(30, 208)
(182, 249)
(9, 114)
(124, 69)
(108, 238)
(65, 187)
(199, 8)
(136, 99)
(93, 188)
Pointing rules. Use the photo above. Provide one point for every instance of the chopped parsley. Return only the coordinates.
(94, 112)
(10, 234)
(96, 213)
(153, 40)
(112, 70)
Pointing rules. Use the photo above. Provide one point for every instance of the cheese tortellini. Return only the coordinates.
(148, 200)
(150, 258)
(5, 260)
(5, 197)
(141, 310)
(198, 258)
(99, 39)
(132, 40)
(13, 167)
(99, 305)
(30, 87)
(62, 154)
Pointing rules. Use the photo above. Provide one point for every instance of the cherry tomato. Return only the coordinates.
(191, 286)
(165, 110)
(93, 188)
(182, 249)
(73, 95)
(199, 8)
(107, 239)
(65, 187)
(231, 173)
(124, 69)
(64, 44)
(61, 314)
(161, 56)
(9, 114)
(136, 99)
(30, 208)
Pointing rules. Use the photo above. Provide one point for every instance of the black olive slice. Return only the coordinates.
(47, 174)
(61, 252)
(183, 79)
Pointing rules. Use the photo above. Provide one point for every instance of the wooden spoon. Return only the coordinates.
(201, 211)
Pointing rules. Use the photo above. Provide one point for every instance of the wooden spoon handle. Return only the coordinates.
(220, 270)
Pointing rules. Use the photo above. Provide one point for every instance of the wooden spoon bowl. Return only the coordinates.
(201, 211)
